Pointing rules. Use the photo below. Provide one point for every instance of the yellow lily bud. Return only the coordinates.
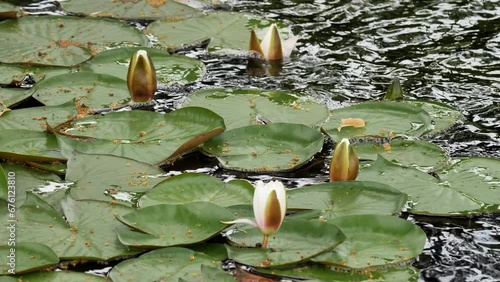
(141, 77)
(345, 162)
(271, 47)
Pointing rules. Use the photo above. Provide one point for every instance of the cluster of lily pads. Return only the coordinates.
(92, 184)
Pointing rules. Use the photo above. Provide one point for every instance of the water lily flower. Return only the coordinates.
(269, 207)
(141, 77)
(271, 47)
(345, 162)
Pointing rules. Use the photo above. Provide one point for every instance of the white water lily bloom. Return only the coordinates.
(269, 207)
(272, 48)
(345, 162)
(141, 77)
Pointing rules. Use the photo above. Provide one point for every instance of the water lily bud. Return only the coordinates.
(255, 44)
(269, 206)
(345, 162)
(271, 44)
(141, 77)
(394, 92)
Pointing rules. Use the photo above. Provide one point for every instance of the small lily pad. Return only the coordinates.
(227, 29)
(374, 241)
(384, 119)
(196, 187)
(167, 264)
(347, 198)
(420, 154)
(296, 241)
(144, 136)
(443, 116)
(36, 118)
(62, 41)
(241, 107)
(270, 147)
(28, 145)
(173, 225)
(12, 96)
(77, 235)
(105, 177)
(94, 90)
(27, 257)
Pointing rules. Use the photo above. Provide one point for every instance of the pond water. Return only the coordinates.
(348, 52)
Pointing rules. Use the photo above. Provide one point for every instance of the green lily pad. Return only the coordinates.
(227, 30)
(56, 276)
(196, 187)
(374, 241)
(36, 118)
(28, 179)
(347, 198)
(242, 107)
(471, 194)
(10, 97)
(167, 264)
(105, 177)
(94, 90)
(327, 273)
(176, 69)
(443, 116)
(296, 241)
(130, 9)
(216, 274)
(4, 185)
(173, 225)
(28, 145)
(419, 154)
(62, 41)
(10, 74)
(77, 235)
(27, 257)
(270, 147)
(383, 120)
(144, 136)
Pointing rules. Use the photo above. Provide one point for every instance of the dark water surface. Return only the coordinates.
(349, 51)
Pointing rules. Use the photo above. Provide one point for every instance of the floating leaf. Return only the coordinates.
(296, 241)
(104, 177)
(420, 154)
(384, 120)
(93, 90)
(354, 122)
(242, 107)
(270, 147)
(4, 185)
(443, 116)
(167, 264)
(28, 145)
(445, 197)
(13, 96)
(151, 9)
(342, 198)
(77, 235)
(173, 225)
(319, 272)
(373, 241)
(227, 30)
(62, 41)
(28, 179)
(27, 257)
(144, 136)
(36, 118)
(195, 187)
(175, 69)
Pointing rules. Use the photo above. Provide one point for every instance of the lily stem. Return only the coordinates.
(265, 241)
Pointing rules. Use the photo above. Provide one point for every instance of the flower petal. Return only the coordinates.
(271, 44)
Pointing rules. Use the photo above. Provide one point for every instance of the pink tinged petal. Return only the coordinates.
(241, 220)
(141, 77)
